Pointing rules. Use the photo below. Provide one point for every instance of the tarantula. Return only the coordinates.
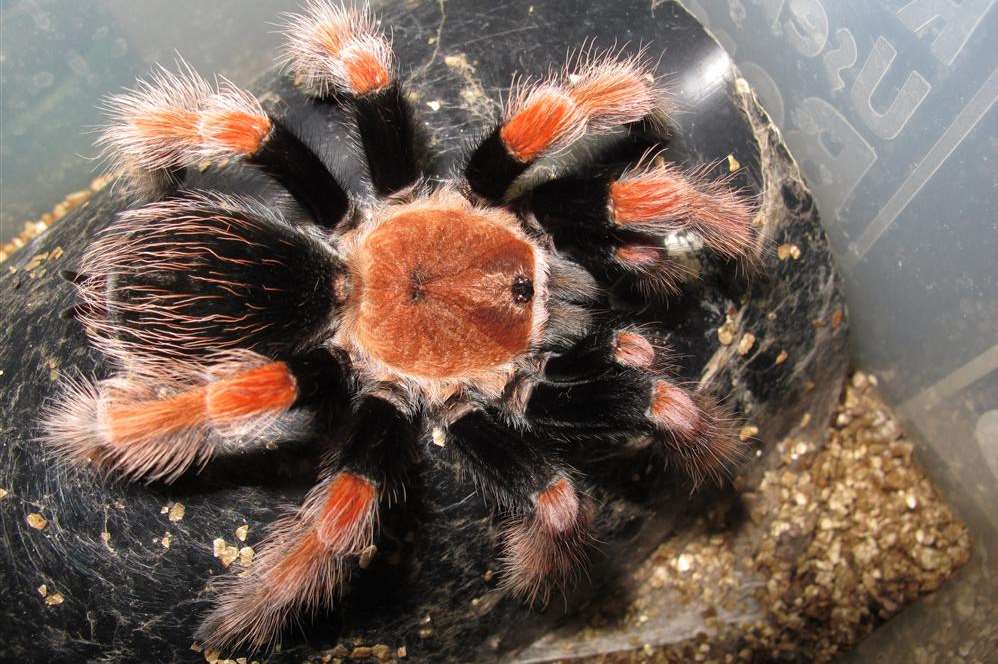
(474, 313)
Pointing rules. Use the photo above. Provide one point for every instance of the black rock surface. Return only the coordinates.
(129, 598)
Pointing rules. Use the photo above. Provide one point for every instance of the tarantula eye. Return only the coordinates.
(523, 290)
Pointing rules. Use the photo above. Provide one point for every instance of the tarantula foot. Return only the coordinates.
(548, 548)
(695, 431)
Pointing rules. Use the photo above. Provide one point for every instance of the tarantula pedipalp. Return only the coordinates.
(458, 313)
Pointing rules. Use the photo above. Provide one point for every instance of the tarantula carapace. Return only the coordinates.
(472, 314)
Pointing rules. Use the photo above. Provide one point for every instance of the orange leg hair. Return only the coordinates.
(601, 94)
(661, 199)
(332, 47)
(305, 560)
(177, 120)
(547, 548)
(639, 229)
(696, 432)
(157, 430)
(302, 564)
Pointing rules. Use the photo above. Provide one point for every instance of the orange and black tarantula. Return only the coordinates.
(474, 313)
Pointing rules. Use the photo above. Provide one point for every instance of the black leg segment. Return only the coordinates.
(283, 156)
(491, 168)
(390, 138)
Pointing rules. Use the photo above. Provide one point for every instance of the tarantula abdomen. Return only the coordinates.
(233, 277)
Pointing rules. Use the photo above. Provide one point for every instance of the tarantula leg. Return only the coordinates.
(176, 280)
(178, 120)
(630, 226)
(335, 50)
(287, 159)
(603, 93)
(305, 560)
(390, 139)
(613, 388)
(140, 427)
(605, 349)
(545, 532)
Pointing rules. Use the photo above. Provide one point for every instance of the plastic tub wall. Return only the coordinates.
(890, 108)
